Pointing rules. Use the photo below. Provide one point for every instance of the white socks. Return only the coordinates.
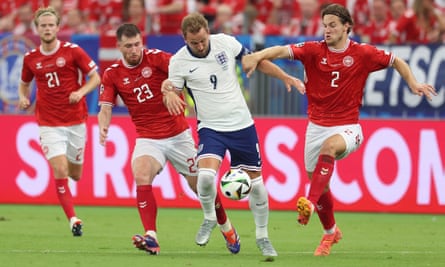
(207, 192)
(259, 205)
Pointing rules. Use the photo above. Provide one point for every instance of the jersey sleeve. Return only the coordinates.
(27, 74)
(300, 51)
(175, 74)
(376, 59)
(107, 92)
(84, 62)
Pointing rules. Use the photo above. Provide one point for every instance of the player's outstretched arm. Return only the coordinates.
(250, 62)
(269, 68)
(261, 60)
(417, 88)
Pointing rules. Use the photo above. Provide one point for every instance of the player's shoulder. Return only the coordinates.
(181, 54)
(69, 45)
(310, 46)
(32, 53)
(362, 46)
(154, 52)
(222, 39)
(114, 69)
(221, 36)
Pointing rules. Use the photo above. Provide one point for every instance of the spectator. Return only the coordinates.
(397, 7)
(25, 20)
(223, 21)
(63, 7)
(423, 23)
(378, 30)
(134, 13)
(166, 16)
(361, 15)
(274, 14)
(308, 23)
(7, 14)
(105, 16)
(75, 23)
(253, 26)
(208, 8)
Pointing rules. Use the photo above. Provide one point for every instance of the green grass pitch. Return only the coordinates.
(40, 236)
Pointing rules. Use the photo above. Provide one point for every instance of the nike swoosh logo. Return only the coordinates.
(192, 70)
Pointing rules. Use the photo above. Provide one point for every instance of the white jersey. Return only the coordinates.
(213, 84)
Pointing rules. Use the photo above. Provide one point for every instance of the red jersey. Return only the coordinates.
(335, 79)
(57, 74)
(140, 89)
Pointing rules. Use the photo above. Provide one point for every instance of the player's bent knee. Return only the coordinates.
(206, 178)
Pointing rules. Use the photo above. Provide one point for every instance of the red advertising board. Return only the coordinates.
(399, 168)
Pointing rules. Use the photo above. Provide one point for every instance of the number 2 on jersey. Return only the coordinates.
(335, 77)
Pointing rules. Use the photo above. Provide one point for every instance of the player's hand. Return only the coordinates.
(291, 81)
(103, 135)
(174, 103)
(75, 97)
(249, 64)
(426, 90)
(24, 103)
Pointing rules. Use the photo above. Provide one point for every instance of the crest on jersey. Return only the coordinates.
(60, 62)
(299, 45)
(348, 61)
(146, 72)
(222, 59)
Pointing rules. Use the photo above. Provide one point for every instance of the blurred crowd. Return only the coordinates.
(376, 21)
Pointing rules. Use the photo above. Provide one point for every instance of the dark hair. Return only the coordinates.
(341, 12)
(127, 30)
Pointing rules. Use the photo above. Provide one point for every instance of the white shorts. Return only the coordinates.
(180, 150)
(316, 135)
(64, 140)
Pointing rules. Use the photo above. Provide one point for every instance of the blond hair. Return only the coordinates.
(46, 11)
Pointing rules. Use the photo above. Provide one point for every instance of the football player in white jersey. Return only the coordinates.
(206, 67)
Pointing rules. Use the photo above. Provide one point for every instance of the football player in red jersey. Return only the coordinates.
(59, 69)
(336, 72)
(137, 79)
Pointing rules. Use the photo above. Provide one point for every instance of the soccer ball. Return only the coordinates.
(235, 184)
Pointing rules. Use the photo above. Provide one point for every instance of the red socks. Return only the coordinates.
(325, 209)
(65, 198)
(220, 212)
(147, 207)
(321, 176)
